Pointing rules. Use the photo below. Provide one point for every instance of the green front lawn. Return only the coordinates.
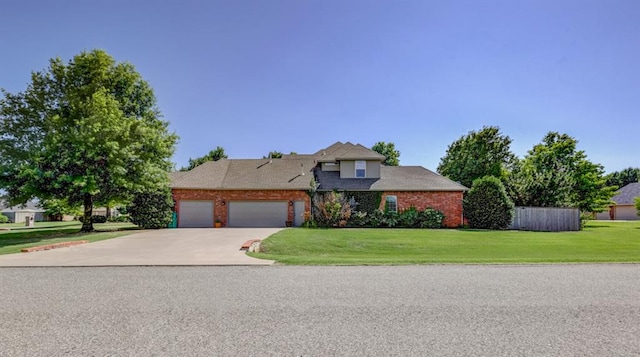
(43, 233)
(600, 241)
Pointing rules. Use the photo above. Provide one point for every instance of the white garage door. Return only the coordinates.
(258, 213)
(196, 214)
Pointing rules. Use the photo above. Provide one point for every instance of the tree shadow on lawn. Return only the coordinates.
(38, 226)
(29, 237)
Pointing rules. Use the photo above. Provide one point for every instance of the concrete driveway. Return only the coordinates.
(195, 246)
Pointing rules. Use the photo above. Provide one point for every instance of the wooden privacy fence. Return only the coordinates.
(547, 219)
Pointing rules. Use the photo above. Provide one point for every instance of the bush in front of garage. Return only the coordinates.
(152, 209)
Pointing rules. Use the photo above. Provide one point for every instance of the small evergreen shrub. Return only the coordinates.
(390, 219)
(431, 218)
(3, 218)
(152, 210)
(376, 218)
(359, 219)
(121, 218)
(98, 219)
(409, 218)
(487, 205)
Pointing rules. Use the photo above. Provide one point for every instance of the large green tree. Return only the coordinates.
(624, 177)
(56, 209)
(274, 155)
(555, 174)
(479, 153)
(213, 155)
(86, 131)
(388, 150)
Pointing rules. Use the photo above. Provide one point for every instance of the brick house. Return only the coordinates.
(624, 207)
(270, 192)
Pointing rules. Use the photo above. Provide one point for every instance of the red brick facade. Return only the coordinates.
(449, 202)
(221, 198)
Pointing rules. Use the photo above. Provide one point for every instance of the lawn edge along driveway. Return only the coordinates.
(599, 242)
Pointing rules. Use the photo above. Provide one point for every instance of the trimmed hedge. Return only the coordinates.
(98, 219)
(408, 218)
(487, 205)
(152, 210)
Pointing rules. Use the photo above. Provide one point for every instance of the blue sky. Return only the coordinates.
(297, 75)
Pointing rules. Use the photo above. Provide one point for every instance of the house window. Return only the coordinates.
(361, 169)
(391, 204)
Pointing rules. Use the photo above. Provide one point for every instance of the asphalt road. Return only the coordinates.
(558, 310)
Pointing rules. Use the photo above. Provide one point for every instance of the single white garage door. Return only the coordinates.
(258, 213)
(196, 214)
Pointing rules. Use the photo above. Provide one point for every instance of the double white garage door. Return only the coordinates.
(199, 214)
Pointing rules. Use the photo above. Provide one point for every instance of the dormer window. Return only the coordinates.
(361, 169)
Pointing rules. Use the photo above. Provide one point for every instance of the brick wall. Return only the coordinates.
(450, 203)
(221, 198)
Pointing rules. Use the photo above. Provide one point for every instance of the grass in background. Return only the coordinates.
(19, 236)
(600, 241)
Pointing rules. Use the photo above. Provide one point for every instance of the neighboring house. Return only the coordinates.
(18, 214)
(270, 192)
(624, 207)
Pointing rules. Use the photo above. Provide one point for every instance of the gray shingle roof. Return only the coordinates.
(287, 174)
(627, 194)
(206, 176)
(347, 151)
(392, 178)
(248, 174)
(265, 174)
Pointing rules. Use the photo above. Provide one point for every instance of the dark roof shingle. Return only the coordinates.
(347, 151)
(296, 171)
(627, 194)
(248, 174)
(392, 178)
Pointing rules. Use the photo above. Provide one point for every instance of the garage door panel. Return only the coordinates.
(258, 213)
(195, 214)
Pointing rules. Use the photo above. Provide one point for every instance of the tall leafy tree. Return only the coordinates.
(555, 174)
(213, 155)
(388, 150)
(624, 177)
(480, 153)
(56, 209)
(274, 155)
(86, 131)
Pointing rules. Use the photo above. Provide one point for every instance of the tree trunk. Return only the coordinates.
(108, 214)
(87, 224)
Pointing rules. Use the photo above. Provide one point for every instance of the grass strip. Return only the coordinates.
(599, 242)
